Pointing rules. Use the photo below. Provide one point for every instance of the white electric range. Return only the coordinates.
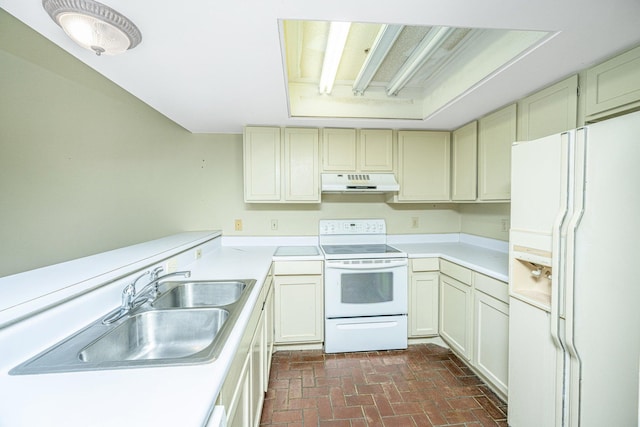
(365, 287)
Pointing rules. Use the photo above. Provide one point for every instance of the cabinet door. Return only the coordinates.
(456, 315)
(375, 151)
(464, 162)
(299, 309)
(496, 134)
(423, 304)
(613, 86)
(339, 150)
(258, 354)
(269, 334)
(261, 152)
(239, 409)
(491, 349)
(423, 165)
(301, 163)
(549, 111)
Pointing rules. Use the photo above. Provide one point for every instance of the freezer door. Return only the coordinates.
(536, 192)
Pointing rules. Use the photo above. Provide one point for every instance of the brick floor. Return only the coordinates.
(425, 385)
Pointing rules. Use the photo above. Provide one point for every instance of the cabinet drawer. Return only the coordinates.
(492, 287)
(424, 264)
(283, 268)
(456, 271)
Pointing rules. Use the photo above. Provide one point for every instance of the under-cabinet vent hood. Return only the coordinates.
(359, 183)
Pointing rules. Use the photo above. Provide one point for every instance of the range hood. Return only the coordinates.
(359, 183)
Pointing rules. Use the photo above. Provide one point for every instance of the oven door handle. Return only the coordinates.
(338, 265)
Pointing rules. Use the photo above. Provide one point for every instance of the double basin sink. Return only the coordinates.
(188, 323)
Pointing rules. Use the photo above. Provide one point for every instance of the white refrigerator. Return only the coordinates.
(574, 254)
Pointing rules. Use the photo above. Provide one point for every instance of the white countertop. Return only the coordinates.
(486, 261)
(159, 396)
(182, 395)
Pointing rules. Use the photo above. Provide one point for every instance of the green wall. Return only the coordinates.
(84, 166)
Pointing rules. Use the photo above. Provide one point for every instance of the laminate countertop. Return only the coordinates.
(178, 395)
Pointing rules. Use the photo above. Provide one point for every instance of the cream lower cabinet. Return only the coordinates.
(269, 315)
(491, 334)
(456, 315)
(423, 166)
(474, 321)
(281, 166)
(299, 308)
(242, 393)
(423, 297)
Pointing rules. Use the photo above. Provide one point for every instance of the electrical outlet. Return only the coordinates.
(274, 224)
(198, 253)
(415, 222)
(504, 225)
(238, 225)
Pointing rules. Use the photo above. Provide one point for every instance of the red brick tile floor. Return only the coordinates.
(425, 385)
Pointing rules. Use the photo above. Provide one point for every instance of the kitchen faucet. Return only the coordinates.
(132, 299)
(150, 290)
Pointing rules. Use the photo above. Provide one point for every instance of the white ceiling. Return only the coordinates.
(214, 66)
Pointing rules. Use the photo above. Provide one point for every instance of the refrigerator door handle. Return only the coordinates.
(557, 279)
(574, 364)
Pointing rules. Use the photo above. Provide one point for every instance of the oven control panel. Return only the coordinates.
(352, 226)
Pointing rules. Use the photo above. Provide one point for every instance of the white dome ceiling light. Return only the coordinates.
(94, 26)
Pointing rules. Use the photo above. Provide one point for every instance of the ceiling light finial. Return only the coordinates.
(94, 25)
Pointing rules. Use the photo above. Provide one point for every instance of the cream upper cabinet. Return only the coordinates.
(351, 150)
(613, 87)
(281, 166)
(496, 134)
(339, 150)
(423, 166)
(301, 165)
(549, 111)
(262, 159)
(464, 162)
(375, 150)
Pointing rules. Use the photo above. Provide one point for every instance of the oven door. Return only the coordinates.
(371, 287)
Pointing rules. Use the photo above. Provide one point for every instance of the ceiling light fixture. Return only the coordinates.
(94, 26)
(384, 41)
(427, 47)
(338, 32)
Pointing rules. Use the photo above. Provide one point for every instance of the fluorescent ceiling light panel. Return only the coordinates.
(427, 47)
(338, 32)
(384, 41)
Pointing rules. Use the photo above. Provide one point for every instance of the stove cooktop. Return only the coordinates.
(361, 251)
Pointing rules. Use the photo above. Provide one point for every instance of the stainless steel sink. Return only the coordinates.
(183, 326)
(157, 335)
(200, 294)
